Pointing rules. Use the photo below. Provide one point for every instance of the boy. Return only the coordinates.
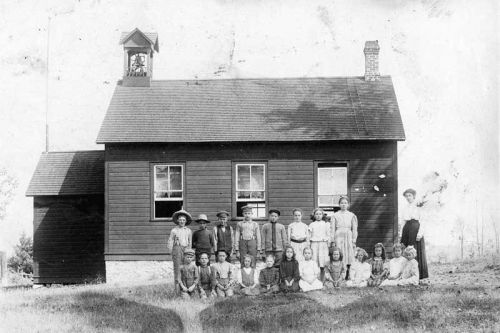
(223, 235)
(207, 283)
(274, 237)
(247, 237)
(223, 275)
(269, 277)
(203, 240)
(188, 275)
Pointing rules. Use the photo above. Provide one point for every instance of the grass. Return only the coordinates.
(468, 304)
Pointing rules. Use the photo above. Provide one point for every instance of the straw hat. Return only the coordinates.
(175, 216)
(202, 217)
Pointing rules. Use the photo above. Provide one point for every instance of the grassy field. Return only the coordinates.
(463, 297)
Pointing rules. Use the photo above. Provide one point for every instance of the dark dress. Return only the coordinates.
(409, 237)
(289, 270)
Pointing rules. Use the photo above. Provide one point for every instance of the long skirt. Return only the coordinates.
(343, 240)
(298, 248)
(422, 259)
(320, 253)
(306, 286)
(409, 237)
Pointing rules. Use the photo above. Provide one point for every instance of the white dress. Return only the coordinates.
(309, 270)
(396, 266)
(344, 233)
(359, 274)
(298, 230)
(319, 232)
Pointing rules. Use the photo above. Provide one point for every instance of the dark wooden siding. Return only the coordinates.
(209, 186)
(68, 242)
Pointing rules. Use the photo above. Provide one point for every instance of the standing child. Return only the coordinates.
(247, 236)
(360, 270)
(345, 232)
(269, 277)
(223, 275)
(319, 232)
(309, 272)
(179, 240)
(334, 271)
(188, 275)
(396, 266)
(206, 285)
(248, 282)
(203, 240)
(223, 235)
(379, 266)
(298, 234)
(274, 237)
(289, 271)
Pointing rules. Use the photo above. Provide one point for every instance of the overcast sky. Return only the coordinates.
(442, 56)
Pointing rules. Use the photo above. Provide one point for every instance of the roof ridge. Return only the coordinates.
(269, 78)
(72, 151)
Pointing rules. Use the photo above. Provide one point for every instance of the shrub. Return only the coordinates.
(22, 260)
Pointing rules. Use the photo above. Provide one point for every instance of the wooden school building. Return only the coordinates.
(208, 145)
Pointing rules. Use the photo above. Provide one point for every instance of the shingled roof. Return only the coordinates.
(68, 173)
(286, 109)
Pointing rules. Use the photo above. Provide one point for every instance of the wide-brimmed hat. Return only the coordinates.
(202, 217)
(274, 211)
(410, 190)
(175, 216)
(223, 212)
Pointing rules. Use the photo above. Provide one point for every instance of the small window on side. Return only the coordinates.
(168, 190)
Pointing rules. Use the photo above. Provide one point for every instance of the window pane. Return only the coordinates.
(243, 195)
(176, 194)
(243, 177)
(325, 200)
(176, 178)
(325, 181)
(165, 209)
(339, 176)
(257, 195)
(160, 195)
(257, 182)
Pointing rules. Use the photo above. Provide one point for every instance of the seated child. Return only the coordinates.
(223, 275)
(410, 275)
(379, 266)
(206, 285)
(309, 272)
(396, 266)
(360, 270)
(289, 271)
(188, 275)
(334, 271)
(269, 277)
(248, 283)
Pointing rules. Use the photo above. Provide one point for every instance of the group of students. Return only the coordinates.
(320, 255)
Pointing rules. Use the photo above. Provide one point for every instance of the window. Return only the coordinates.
(331, 185)
(251, 188)
(168, 190)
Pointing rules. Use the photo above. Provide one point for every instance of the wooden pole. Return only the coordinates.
(47, 89)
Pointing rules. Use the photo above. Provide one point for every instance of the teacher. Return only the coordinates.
(412, 234)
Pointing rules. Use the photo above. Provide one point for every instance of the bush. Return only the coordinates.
(22, 260)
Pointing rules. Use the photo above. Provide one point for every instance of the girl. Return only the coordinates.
(319, 234)
(410, 275)
(396, 265)
(298, 234)
(360, 270)
(309, 272)
(334, 272)
(378, 266)
(345, 232)
(412, 234)
(248, 282)
(179, 240)
(269, 277)
(289, 271)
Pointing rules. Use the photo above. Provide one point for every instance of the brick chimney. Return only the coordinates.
(371, 60)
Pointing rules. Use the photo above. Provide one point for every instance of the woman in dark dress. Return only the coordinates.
(412, 234)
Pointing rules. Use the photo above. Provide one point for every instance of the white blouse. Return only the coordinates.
(297, 230)
(410, 212)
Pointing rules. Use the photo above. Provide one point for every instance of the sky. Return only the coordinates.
(442, 56)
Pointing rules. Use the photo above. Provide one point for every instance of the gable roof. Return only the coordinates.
(68, 173)
(151, 37)
(286, 109)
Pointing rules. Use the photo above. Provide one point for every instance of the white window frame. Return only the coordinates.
(182, 183)
(321, 165)
(259, 190)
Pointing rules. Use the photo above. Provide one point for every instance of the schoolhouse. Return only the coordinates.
(208, 145)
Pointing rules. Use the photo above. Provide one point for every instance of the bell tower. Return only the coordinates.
(138, 50)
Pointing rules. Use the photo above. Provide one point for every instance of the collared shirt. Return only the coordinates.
(179, 236)
(269, 276)
(298, 231)
(188, 275)
(223, 270)
(410, 212)
(247, 230)
(280, 238)
(319, 231)
(224, 238)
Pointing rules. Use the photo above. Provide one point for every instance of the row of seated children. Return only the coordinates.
(220, 280)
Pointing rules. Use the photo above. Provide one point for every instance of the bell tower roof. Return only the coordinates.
(138, 39)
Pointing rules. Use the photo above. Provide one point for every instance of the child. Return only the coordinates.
(274, 237)
(410, 275)
(396, 265)
(289, 271)
(247, 236)
(319, 232)
(223, 235)
(223, 275)
(344, 231)
(248, 283)
(203, 240)
(206, 285)
(179, 240)
(298, 234)
(309, 272)
(269, 277)
(334, 271)
(188, 275)
(379, 266)
(360, 270)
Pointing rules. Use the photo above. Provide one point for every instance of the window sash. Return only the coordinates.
(256, 191)
(331, 185)
(170, 193)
